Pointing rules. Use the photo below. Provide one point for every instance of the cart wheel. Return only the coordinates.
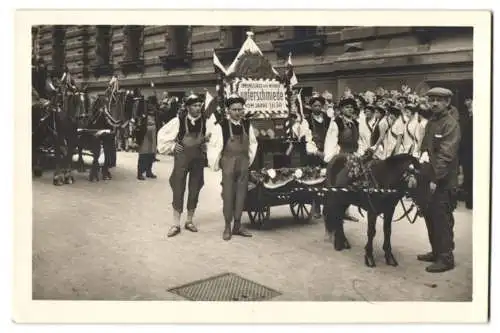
(301, 211)
(37, 172)
(259, 216)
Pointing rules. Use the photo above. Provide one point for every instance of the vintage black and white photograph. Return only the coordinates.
(254, 163)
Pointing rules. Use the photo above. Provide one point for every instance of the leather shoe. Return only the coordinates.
(428, 257)
(191, 227)
(141, 177)
(174, 231)
(151, 175)
(241, 232)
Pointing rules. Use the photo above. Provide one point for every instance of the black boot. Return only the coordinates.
(149, 174)
(428, 257)
(443, 263)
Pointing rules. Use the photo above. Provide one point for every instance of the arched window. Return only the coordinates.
(133, 42)
(179, 40)
(58, 49)
(178, 51)
(103, 45)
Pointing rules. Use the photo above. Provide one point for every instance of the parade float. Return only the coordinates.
(278, 176)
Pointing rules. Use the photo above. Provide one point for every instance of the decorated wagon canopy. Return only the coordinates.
(253, 77)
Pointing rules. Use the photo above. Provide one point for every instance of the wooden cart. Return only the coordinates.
(268, 101)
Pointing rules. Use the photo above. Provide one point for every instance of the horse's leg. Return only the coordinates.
(372, 220)
(389, 257)
(95, 148)
(106, 147)
(80, 163)
(58, 178)
(68, 176)
(36, 164)
(336, 224)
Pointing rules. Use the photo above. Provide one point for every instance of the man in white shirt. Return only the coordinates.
(232, 149)
(185, 137)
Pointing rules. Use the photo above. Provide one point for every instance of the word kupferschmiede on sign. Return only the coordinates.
(264, 98)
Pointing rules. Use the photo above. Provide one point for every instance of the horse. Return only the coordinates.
(402, 173)
(43, 135)
(97, 135)
(64, 131)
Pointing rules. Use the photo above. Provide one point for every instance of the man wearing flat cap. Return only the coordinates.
(440, 149)
(185, 137)
(232, 149)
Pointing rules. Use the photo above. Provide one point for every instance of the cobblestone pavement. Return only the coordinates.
(106, 241)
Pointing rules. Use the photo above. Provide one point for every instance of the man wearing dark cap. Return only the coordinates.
(318, 122)
(185, 137)
(232, 149)
(440, 148)
(343, 138)
(146, 138)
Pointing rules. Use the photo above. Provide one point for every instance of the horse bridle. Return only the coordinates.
(411, 172)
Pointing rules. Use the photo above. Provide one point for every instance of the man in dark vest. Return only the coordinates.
(318, 122)
(146, 139)
(185, 137)
(232, 148)
(440, 148)
(343, 138)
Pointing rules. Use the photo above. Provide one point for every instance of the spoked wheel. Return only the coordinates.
(259, 216)
(37, 172)
(301, 211)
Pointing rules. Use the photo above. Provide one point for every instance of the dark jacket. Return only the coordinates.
(141, 125)
(442, 141)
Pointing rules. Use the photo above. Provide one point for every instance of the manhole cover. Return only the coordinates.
(224, 288)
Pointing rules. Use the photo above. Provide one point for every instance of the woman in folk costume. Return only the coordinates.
(409, 142)
(367, 123)
(146, 139)
(185, 137)
(319, 123)
(232, 148)
(390, 131)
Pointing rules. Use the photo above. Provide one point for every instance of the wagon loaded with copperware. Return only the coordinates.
(277, 175)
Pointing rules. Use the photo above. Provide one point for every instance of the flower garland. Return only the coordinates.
(276, 178)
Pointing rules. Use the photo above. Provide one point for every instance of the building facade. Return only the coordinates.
(179, 58)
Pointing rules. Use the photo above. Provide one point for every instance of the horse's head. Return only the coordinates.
(414, 177)
(419, 185)
(398, 171)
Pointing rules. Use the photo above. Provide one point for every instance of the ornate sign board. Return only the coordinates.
(265, 98)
